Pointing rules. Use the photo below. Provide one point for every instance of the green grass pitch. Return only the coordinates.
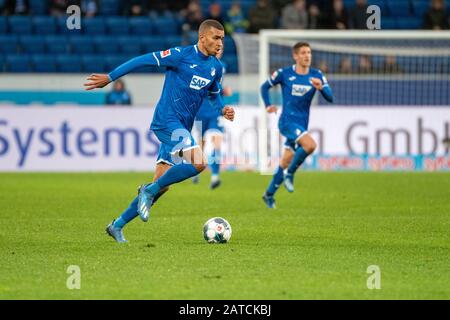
(318, 244)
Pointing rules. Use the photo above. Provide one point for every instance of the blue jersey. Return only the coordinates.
(190, 77)
(297, 93)
(207, 111)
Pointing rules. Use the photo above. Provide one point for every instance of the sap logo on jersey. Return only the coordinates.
(198, 83)
(300, 90)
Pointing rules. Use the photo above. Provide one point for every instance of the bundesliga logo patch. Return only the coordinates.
(274, 75)
(165, 53)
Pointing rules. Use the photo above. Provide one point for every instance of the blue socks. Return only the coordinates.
(214, 162)
(299, 157)
(276, 181)
(175, 174)
(129, 214)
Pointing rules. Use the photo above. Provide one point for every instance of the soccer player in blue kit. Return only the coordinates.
(299, 83)
(209, 122)
(193, 73)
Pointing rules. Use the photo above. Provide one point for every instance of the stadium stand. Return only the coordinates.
(40, 38)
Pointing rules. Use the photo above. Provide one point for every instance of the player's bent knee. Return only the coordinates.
(284, 163)
(311, 147)
(200, 167)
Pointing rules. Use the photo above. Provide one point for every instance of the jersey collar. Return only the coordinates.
(293, 69)
(199, 53)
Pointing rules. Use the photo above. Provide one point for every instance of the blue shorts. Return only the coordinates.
(292, 131)
(174, 140)
(210, 124)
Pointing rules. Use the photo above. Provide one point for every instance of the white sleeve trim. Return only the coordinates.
(270, 82)
(157, 60)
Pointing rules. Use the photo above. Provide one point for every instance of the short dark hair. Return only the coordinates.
(210, 23)
(299, 45)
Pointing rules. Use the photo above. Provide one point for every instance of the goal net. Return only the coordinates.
(365, 68)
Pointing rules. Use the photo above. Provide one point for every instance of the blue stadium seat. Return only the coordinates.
(94, 26)
(381, 4)
(44, 25)
(94, 63)
(43, 63)
(20, 25)
(18, 63)
(3, 25)
(399, 9)
(389, 23)
(57, 44)
(153, 43)
(165, 26)
(117, 25)
(173, 41)
(420, 7)
(106, 44)
(38, 7)
(8, 44)
(140, 25)
(32, 44)
(409, 23)
(68, 63)
(109, 8)
(129, 45)
(82, 44)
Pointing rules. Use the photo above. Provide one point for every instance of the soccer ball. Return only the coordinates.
(217, 230)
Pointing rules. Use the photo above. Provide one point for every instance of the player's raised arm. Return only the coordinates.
(265, 87)
(322, 85)
(273, 80)
(167, 58)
